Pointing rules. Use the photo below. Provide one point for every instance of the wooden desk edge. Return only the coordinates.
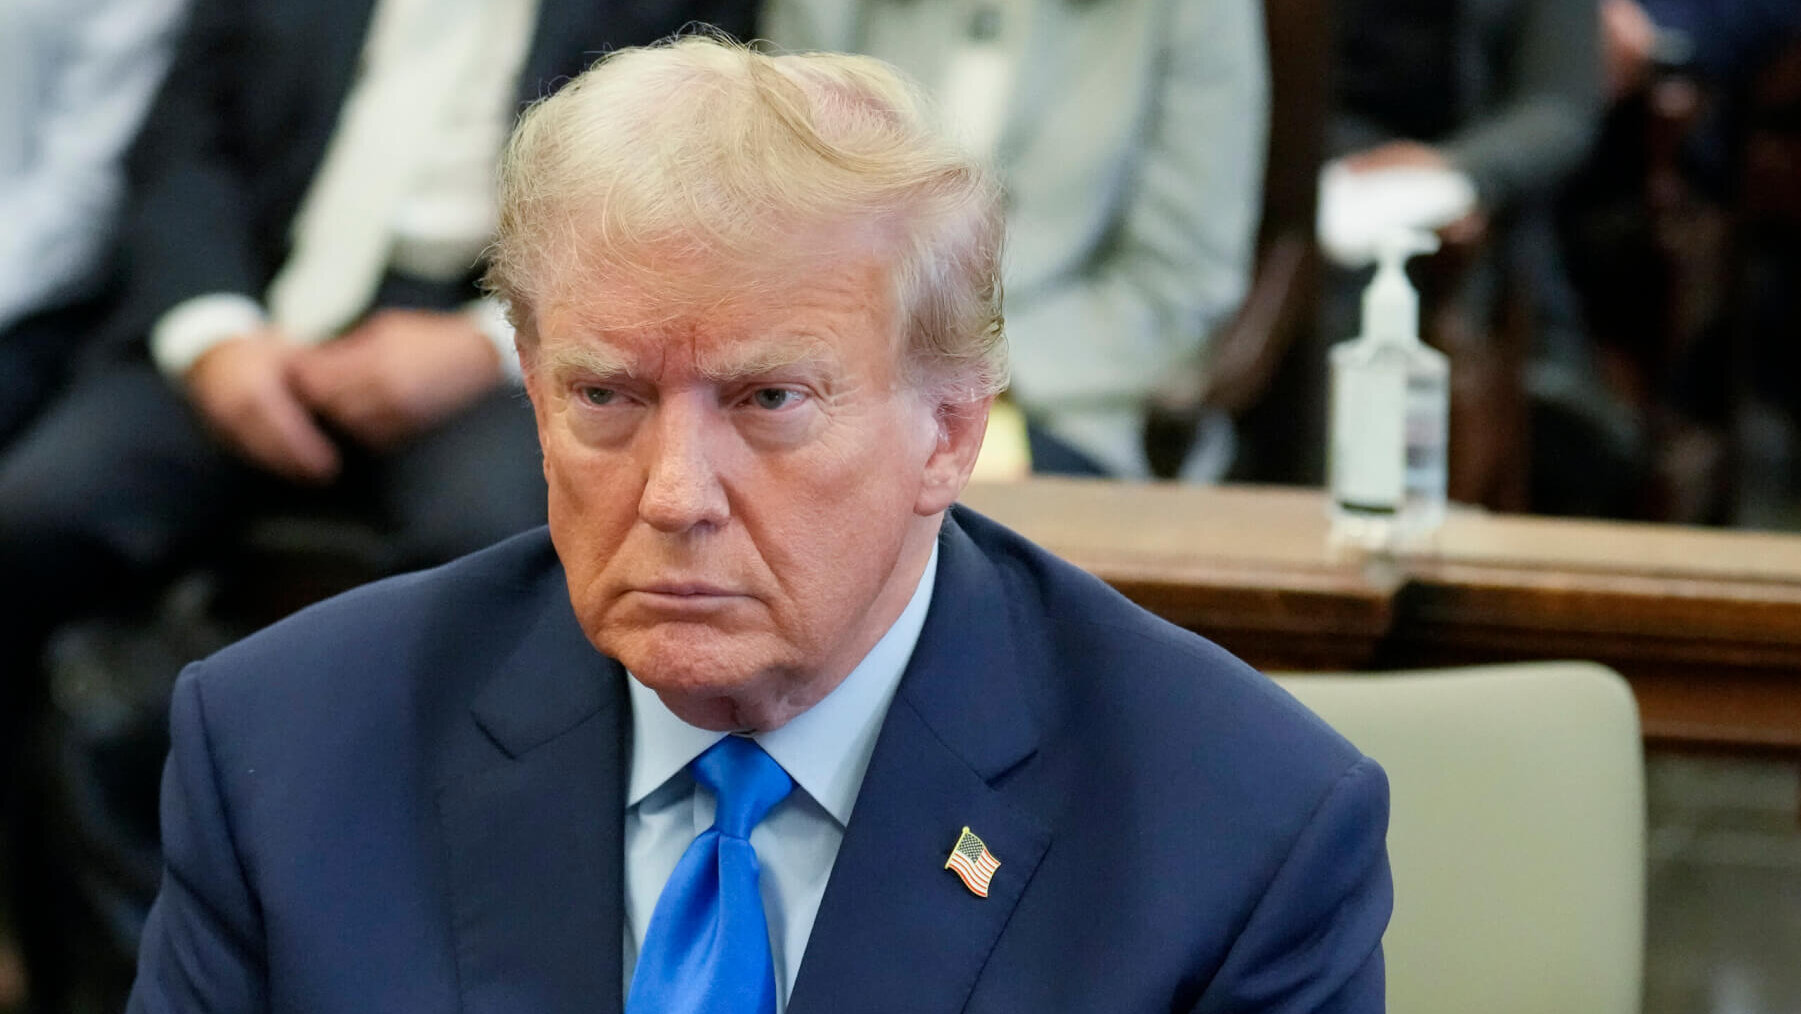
(1713, 653)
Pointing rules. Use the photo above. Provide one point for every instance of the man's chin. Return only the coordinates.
(691, 660)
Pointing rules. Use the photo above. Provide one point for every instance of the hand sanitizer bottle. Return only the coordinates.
(1389, 415)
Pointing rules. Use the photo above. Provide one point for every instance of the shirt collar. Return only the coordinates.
(825, 749)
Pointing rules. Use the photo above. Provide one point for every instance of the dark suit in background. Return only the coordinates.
(411, 798)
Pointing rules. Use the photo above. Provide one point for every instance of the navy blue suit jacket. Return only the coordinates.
(411, 798)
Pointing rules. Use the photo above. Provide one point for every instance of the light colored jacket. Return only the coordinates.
(1132, 152)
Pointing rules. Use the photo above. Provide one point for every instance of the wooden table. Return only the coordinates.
(1705, 624)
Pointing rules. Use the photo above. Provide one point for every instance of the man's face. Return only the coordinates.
(745, 495)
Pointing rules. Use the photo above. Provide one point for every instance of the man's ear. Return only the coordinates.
(960, 428)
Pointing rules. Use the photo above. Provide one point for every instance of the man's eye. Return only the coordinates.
(599, 395)
(774, 398)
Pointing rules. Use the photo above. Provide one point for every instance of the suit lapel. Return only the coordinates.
(533, 830)
(894, 924)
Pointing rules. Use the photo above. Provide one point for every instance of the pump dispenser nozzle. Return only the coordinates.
(1391, 309)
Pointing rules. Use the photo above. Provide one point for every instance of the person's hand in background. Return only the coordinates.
(242, 389)
(1628, 44)
(1467, 231)
(397, 374)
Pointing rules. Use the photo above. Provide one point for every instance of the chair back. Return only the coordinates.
(1517, 833)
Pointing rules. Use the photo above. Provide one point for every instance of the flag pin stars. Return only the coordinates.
(971, 861)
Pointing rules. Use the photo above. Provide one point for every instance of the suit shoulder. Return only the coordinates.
(1163, 683)
(394, 625)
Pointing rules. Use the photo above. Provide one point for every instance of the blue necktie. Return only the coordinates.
(707, 948)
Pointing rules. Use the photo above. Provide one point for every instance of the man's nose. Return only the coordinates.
(682, 488)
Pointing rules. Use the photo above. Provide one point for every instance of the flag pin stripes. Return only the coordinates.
(971, 861)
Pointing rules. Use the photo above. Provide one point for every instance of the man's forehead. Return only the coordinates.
(720, 353)
(640, 285)
(821, 317)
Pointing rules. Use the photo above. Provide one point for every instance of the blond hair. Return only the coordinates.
(703, 153)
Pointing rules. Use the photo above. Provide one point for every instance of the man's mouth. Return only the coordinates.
(685, 589)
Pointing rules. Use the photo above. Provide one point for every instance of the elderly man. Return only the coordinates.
(763, 722)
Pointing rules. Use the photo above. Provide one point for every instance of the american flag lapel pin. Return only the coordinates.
(971, 861)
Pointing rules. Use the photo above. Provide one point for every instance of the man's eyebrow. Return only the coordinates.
(593, 360)
(761, 358)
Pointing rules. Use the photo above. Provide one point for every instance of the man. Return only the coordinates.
(758, 317)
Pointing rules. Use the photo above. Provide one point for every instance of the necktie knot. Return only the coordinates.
(706, 950)
(745, 781)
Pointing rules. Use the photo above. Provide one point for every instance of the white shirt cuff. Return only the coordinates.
(192, 327)
(491, 318)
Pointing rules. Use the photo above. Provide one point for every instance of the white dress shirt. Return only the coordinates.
(75, 79)
(449, 207)
(825, 749)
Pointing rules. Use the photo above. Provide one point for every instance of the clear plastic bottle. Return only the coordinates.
(1369, 420)
(1428, 440)
(1389, 415)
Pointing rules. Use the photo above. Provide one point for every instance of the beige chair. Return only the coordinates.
(1517, 833)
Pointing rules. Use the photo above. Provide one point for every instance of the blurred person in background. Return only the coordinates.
(75, 79)
(299, 321)
(1695, 193)
(1721, 41)
(1130, 136)
(1508, 93)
